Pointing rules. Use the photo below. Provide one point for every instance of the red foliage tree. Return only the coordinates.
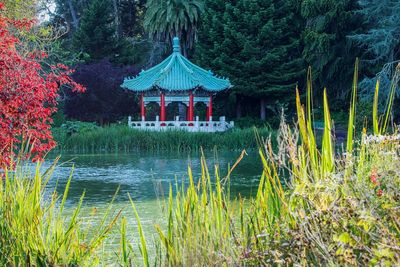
(28, 96)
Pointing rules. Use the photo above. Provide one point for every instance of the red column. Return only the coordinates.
(162, 107)
(210, 109)
(191, 107)
(142, 108)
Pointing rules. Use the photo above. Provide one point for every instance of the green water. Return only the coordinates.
(146, 177)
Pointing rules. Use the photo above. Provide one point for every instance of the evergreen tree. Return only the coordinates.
(70, 11)
(326, 46)
(96, 34)
(379, 42)
(256, 44)
(381, 39)
(132, 16)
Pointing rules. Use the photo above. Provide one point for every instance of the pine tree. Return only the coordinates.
(381, 38)
(96, 33)
(70, 11)
(326, 46)
(379, 42)
(132, 16)
(256, 44)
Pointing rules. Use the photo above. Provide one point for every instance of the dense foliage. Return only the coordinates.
(263, 47)
(326, 46)
(28, 95)
(257, 45)
(381, 40)
(101, 103)
(338, 208)
(165, 20)
(96, 34)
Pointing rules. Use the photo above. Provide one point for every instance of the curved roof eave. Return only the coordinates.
(176, 73)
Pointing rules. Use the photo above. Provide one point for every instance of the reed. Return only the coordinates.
(118, 138)
(35, 230)
(200, 225)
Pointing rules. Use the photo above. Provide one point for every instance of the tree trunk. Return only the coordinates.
(75, 22)
(155, 54)
(184, 50)
(238, 109)
(117, 19)
(263, 115)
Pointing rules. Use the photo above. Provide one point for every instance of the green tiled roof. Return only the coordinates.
(176, 73)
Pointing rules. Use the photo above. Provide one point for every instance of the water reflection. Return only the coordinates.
(145, 176)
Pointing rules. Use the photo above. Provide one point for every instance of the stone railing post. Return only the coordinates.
(129, 121)
(210, 125)
(157, 124)
(196, 123)
(222, 123)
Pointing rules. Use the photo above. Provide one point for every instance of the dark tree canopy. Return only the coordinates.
(381, 40)
(326, 46)
(165, 20)
(256, 43)
(96, 34)
(103, 101)
(131, 13)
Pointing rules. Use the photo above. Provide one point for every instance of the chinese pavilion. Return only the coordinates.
(176, 79)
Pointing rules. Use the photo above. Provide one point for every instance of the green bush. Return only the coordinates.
(78, 127)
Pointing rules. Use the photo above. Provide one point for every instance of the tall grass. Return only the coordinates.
(34, 229)
(121, 138)
(339, 208)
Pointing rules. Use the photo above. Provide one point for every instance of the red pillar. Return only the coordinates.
(162, 107)
(209, 113)
(191, 107)
(142, 108)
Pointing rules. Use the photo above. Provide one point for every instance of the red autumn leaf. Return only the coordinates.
(28, 96)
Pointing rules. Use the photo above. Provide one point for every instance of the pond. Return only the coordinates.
(146, 177)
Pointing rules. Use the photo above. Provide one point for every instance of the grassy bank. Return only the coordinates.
(121, 138)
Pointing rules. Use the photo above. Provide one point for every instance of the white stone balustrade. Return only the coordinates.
(191, 126)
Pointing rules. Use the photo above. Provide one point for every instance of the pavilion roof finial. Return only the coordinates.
(176, 45)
